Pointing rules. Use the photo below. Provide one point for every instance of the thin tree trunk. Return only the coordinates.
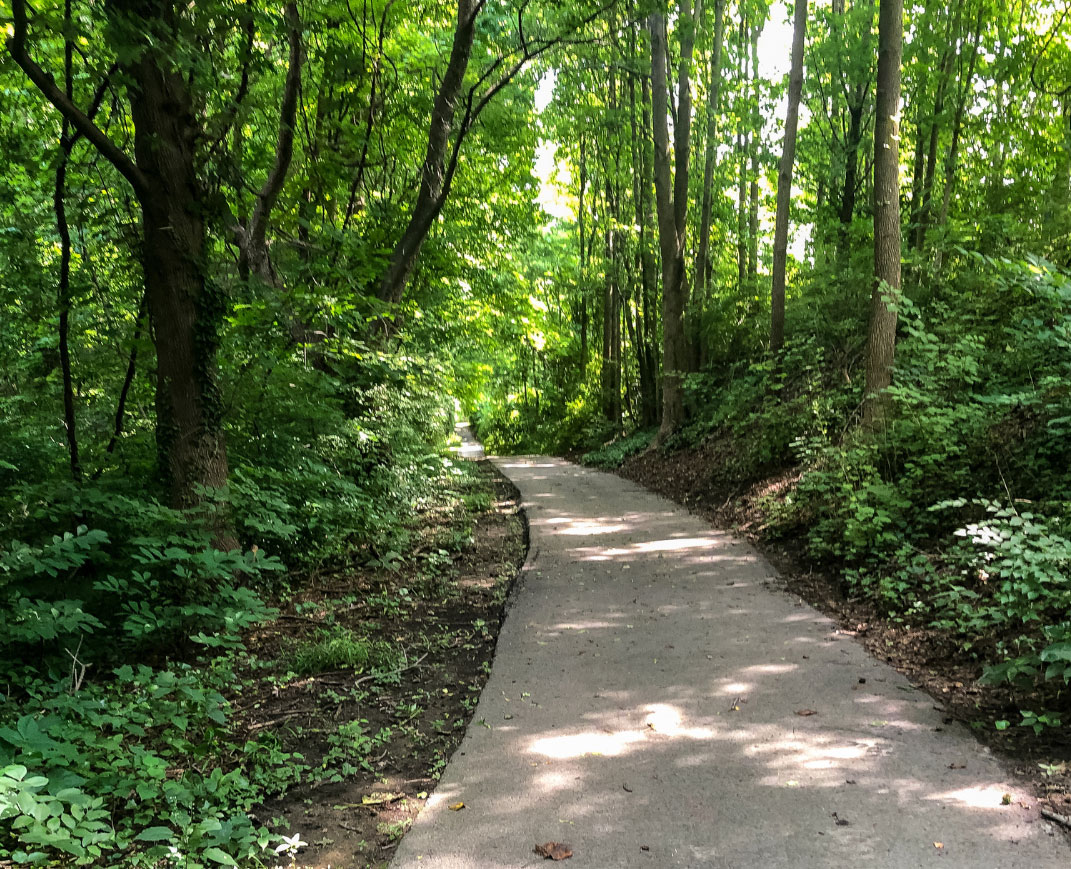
(851, 170)
(650, 279)
(947, 58)
(70, 422)
(671, 199)
(784, 179)
(434, 176)
(952, 160)
(124, 391)
(753, 190)
(580, 215)
(702, 270)
(881, 338)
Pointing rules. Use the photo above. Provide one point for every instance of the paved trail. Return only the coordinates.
(644, 707)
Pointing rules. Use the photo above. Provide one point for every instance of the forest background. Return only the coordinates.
(255, 257)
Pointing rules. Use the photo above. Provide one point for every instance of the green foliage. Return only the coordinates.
(339, 648)
(134, 767)
(613, 454)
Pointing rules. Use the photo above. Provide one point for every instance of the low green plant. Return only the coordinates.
(339, 648)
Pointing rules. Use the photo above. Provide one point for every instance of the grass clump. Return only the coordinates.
(341, 649)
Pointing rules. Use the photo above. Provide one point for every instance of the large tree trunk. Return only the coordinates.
(784, 179)
(671, 200)
(185, 309)
(881, 339)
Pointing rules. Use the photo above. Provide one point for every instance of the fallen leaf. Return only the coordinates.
(1006, 799)
(841, 822)
(645, 847)
(377, 799)
(957, 766)
(457, 807)
(806, 712)
(626, 788)
(938, 845)
(553, 851)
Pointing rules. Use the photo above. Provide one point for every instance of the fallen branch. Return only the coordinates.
(1062, 820)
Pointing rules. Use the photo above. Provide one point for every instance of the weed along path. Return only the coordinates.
(656, 700)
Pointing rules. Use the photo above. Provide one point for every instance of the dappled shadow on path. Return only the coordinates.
(657, 701)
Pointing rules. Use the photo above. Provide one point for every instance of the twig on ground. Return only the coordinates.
(1062, 820)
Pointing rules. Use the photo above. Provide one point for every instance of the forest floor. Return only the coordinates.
(930, 658)
(376, 743)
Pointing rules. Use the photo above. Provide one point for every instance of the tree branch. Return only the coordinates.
(46, 84)
(284, 149)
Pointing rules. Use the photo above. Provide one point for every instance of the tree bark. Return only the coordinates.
(784, 179)
(671, 200)
(435, 174)
(881, 338)
(186, 311)
(702, 277)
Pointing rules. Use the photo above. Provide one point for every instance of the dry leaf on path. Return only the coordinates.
(553, 851)
(806, 712)
(377, 798)
(456, 807)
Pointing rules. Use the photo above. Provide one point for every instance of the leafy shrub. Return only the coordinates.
(134, 766)
(613, 454)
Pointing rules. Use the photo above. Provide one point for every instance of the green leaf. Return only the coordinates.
(218, 856)
(155, 834)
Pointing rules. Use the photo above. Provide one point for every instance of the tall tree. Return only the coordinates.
(711, 149)
(186, 309)
(881, 337)
(784, 178)
(671, 201)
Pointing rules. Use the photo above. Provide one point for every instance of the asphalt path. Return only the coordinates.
(658, 700)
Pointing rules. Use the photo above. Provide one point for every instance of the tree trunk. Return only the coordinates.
(922, 217)
(881, 338)
(650, 297)
(702, 276)
(185, 309)
(59, 203)
(434, 176)
(671, 200)
(753, 190)
(851, 169)
(951, 161)
(784, 179)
